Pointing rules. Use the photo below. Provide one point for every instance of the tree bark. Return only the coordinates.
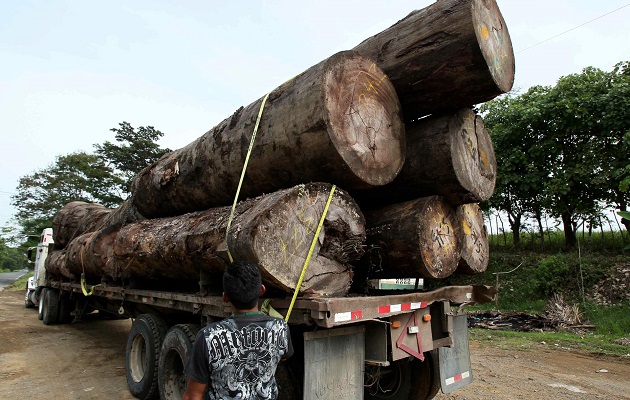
(448, 55)
(570, 238)
(339, 122)
(274, 231)
(474, 235)
(449, 155)
(56, 265)
(412, 239)
(75, 218)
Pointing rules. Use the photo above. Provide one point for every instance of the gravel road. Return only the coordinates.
(86, 360)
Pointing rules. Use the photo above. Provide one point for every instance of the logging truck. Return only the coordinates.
(406, 345)
(356, 119)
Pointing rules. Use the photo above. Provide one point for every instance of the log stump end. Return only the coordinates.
(494, 40)
(364, 118)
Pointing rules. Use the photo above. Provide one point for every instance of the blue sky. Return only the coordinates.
(72, 70)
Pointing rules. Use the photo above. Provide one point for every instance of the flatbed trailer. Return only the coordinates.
(378, 346)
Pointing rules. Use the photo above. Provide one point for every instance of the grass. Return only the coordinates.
(596, 273)
(590, 342)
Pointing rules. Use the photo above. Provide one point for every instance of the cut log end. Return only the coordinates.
(495, 42)
(364, 117)
(440, 247)
(473, 157)
(284, 234)
(475, 247)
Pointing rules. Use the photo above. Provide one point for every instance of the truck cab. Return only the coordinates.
(37, 281)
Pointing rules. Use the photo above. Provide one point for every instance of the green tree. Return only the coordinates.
(561, 149)
(517, 132)
(135, 149)
(616, 123)
(11, 259)
(76, 176)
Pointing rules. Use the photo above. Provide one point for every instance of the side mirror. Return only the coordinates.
(29, 254)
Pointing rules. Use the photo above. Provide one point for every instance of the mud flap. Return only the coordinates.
(333, 364)
(455, 371)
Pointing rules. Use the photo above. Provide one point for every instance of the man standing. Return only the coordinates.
(236, 358)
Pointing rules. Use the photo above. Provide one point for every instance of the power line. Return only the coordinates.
(572, 29)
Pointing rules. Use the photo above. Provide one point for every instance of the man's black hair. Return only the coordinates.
(241, 284)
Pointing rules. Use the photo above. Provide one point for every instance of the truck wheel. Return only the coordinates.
(42, 303)
(27, 300)
(50, 314)
(142, 355)
(404, 380)
(176, 350)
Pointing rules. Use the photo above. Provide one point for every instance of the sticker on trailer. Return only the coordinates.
(348, 316)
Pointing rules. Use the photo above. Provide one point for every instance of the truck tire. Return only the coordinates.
(28, 303)
(142, 355)
(42, 304)
(50, 314)
(176, 350)
(406, 380)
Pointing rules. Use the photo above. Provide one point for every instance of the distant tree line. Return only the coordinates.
(563, 151)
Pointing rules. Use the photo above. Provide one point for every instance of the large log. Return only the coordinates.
(412, 239)
(451, 54)
(75, 218)
(449, 155)
(474, 236)
(56, 265)
(339, 122)
(273, 230)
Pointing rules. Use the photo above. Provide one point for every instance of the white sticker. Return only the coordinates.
(343, 316)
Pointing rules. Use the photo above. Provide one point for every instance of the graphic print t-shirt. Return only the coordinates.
(238, 356)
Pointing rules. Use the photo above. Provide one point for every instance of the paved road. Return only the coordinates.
(7, 278)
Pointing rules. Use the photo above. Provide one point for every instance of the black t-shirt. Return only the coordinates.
(237, 357)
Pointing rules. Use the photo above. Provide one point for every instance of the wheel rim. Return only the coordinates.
(138, 358)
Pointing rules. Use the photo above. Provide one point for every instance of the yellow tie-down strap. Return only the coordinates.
(310, 252)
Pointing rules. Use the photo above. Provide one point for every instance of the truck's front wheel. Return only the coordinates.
(403, 380)
(142, 355)
(174, 355)
(50, 313)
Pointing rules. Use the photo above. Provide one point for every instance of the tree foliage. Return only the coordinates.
(76, 176)
(134, 150)
(11, 259)
(102, 178)
(563, 150)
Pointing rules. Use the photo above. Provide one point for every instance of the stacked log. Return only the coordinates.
(451, 54)
(360, 120)
(449, 154)
(76, 218)
(474, 238)
(274, 231)
(417, 238)
(339, 122)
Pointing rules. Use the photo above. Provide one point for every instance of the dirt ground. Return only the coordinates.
(86, 360)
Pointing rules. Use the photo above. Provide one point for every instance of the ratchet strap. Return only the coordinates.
(310, 252)
(240, 182)
(83, 283)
